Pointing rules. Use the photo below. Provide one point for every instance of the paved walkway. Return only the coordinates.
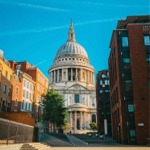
(52, 141)
(75, 141)
(39, 146)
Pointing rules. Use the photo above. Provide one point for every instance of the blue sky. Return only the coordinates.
(33, 30)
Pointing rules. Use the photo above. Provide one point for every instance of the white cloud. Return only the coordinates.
(56, 27)
(112, 5)
(43, 7)
(35, 6)
(41, 62)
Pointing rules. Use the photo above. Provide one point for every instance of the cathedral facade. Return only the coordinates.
(73, 77)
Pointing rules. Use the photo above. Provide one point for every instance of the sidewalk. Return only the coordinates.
(18, 147)
(75, 141)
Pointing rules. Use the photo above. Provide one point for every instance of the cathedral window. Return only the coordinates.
(76, 98)
(93, 118)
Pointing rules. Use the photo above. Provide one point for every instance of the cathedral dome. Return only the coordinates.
(71, 47)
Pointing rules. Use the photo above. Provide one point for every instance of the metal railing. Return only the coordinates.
(14, 132)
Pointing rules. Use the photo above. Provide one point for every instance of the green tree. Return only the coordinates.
(54, 110)
(93, 125)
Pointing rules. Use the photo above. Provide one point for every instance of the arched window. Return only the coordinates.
(93, 118)
(76, 98)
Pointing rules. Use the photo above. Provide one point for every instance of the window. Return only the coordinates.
(106, 82)
(132, 133)
(93, 104)
(24, 83)
(93, 118)
(4, 88)
(126, 60)
(17, 90)
(148, 59)
(30, 86)
(76, 97)
(10, 77)
(100, 91)
(107, 73)
(128, 85)
(6, 73)
(27, 84)
(37, 108)
(147, 40)
(16, 103)
(9, 92)
(101, 82)
(103, 76)
(106, 91)
(22, 105)
(125, 41)
(23, 93)
(130, 108)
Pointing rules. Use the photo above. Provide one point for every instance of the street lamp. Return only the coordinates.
(40, 107)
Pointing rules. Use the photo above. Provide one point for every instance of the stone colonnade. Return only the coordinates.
(78, 120)
(72, 74)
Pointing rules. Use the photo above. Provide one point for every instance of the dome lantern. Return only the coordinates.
(71, 34)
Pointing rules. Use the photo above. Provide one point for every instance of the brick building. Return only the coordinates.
(5, 84)
(16, 92)
(103, 102)
(38, 83)
(129, 65)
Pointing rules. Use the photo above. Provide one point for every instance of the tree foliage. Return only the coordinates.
(93, 125)
(54, 110)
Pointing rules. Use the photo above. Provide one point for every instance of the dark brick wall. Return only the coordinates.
(21, 117)
(140, 74)
(140, 82)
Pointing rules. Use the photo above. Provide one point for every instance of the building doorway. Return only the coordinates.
(78, 123)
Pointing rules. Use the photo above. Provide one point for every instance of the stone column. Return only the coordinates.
(84, 117)
(51, 78)
(75, 120)
(58, 75)
(79, 75)
(71, 119)
(87, 76)
(90, 77)
(66, 78)
(81, 119)
(76, 74)
(54, 76)
(71, 74)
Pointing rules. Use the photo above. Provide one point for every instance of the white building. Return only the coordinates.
(72, 76)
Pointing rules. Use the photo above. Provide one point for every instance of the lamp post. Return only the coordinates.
(40, 107)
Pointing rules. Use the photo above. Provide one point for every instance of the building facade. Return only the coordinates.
(34, 86)
(16, 92)
(73, 77)
(5, 84)
(129, 65)
(103, 102)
